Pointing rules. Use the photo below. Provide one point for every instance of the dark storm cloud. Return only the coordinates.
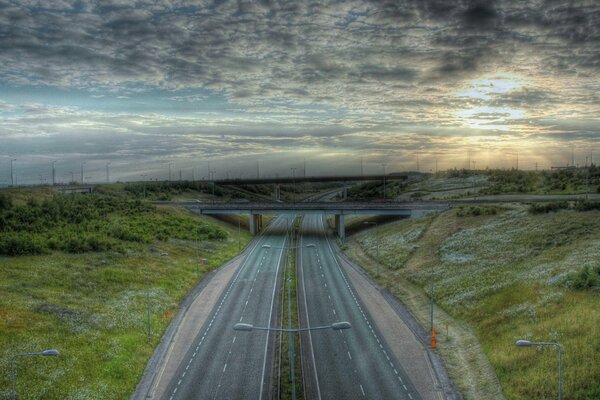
(385, 70)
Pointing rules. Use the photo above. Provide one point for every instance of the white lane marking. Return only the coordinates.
(312, 351)
(241, 268)
(362, 390)
(357, 304)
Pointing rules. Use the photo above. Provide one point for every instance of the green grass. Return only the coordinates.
(92, 305)
(506, 276)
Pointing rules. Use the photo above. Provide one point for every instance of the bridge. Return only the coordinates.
(301, 179)
(339, 210)
(287, 180)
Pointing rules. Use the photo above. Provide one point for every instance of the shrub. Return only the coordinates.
(587, 278)
(585, 205)
(474, 211)
(543, 208)
(21, 243)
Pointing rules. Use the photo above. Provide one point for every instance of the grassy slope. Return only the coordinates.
(502, 276)
(92, 307)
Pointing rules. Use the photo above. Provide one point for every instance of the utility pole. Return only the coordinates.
(304, 167)
(82, 164)
(517, 160)
(257, 170)
(383, 164)
(573, 156)
(170, 170)
(361, 167)
(107, 173)
(469, 159)
(53, 173)
(12, 172)
(144, 180)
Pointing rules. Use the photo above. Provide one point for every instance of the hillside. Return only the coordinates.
(501, 274)
(74, 276)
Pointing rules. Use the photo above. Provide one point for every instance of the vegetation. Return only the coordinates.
(507, 276)
(80, 223)
(581, 205)
(458, 183)
(90, 301)
(289, 318)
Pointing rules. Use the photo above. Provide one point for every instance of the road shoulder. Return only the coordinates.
(403, 333)
(194, 310)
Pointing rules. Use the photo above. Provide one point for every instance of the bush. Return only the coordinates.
(19, 243)
(475, 211)
(587, 278)
(586, 205)
(5, 201)
(544, 208)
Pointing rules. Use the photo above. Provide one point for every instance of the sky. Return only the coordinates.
(144, 85)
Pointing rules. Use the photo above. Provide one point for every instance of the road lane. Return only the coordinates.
(352, 364)
(226, 364)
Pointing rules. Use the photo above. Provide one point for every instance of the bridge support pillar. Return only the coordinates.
(255, 223)
(340, 228)
(277, 192)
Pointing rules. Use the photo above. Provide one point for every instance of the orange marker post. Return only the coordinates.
(433, 341)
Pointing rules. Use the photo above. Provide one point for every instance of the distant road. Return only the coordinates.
(352, 364)
(517, 198)
(227, 364)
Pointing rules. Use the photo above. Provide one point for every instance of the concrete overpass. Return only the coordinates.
(300, 179)
(339, 210)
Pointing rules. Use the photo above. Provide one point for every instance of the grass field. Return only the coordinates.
(505, 276)
(91, 305)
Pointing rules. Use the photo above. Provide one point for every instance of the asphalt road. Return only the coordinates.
(350, 364)
(228, 364)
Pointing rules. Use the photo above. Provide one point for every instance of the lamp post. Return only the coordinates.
(144, 183)
(82, 164)
(336, 326)
(45, 353)
(294, 181)
(377, 236)
(384, 181)
(527, 343)
(12, 173)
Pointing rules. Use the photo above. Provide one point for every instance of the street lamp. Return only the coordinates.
(82, 164)
(377, 236)
(294, 180)
(336, 326)
(144, 183)
(384, 164)
(12, 173)
(527, 343)
(46, 353)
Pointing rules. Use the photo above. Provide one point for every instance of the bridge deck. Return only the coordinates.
(311, 208)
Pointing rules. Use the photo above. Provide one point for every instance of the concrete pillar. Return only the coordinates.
(252, 224)
(277, 192)
(340, 227)
(255, 223)
(336, 223)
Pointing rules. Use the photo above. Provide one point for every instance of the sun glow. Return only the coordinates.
(491, 117)
(487, 88)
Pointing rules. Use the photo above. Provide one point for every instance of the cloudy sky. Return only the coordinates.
(147, 84)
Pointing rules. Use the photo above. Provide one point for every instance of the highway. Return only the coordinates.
(347, 364)
(227, 364)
